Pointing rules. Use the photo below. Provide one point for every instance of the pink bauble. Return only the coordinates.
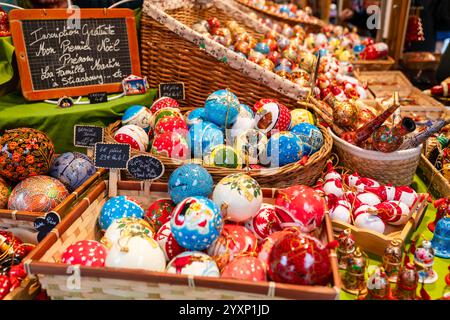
(164, 102)
(86, 253)
(265, 222)
(370, 222)
(245, 268)
(170, 144)
(171, 124)
(167, 242)
(133, 135)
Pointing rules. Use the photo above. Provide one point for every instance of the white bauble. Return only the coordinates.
(241, 125)
(370, 222)
(333, 186)
(193, 263)
(123, 225)
(341, 212)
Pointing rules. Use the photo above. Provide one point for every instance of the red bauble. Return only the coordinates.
(265, 222)
(299, 259)
(300, 206)
(213, 23)
(5, 286)
(274, 56)
(259, 104)
(267, 244)
(86, 253)
(171, 124)
(369, 53)
(17, 272)
(170, 144)
(167, 242)
(164, 102)
(234, 240)
(13, 244)
(159, 212)
(273, 46)
(245, 268)
(4, 24)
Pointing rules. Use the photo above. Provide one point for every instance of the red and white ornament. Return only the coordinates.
(333, 186)
(164, 102)
(259, 104)
(362, 198)
(245, 268)
(370, 221)
(267, 244)
(355, 180)
(331, 172)
(86, 253)
(167, 242)
(133, 135)
(159, 212)
(171, 124)
(170, 144)
(272, 116)
(393, 212)
(265, 222)
(5, 286)
(404, 194)
(341, 212)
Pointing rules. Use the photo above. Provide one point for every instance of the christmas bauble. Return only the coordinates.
(243, 123)
(299, 259)
(133, 135)
(171, 145)
(165, 112)
(283, 148)
(189, 180)
(300, 206)
(25, 152)
(239, 197)
(393, 212)
(251, 146)
(361, 198)
(262, 47)
(164, 102)
(37, 194)
(333, 187)
(203, 137)
(245, 268)
(341, 211)
(5, 286)
(235, 240)
(126, 226)
(272, 116)
(369, 221)
(119, 207)
(171, 124)
(193, 263)
(5, 191)
(222, 108)
(310, 135)
(159, 212)
(260, 103)
(196, 222)
(72, 169)
(137, 115)
(194, 116)
(167, 242)
(223, 156)
(86, 253)
(301, 116)
(265, 222)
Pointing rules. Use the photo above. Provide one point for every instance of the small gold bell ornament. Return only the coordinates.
(354, 278)
(346, 248)
(392, 259)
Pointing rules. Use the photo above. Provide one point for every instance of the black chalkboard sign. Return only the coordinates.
(44, 225)
(87, 136)
(98, 97)
(173, 90)
(61, 54)
(145, 167)
(111, 155)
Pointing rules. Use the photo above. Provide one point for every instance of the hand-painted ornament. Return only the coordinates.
(37, 194)
(119, 207)
(251, 146)
(245, 268)
(267, 244)
(265, 222)
(235, 240)
(260, 103)
(272, 116)
(333, 187)
(125, 226)
(300, 206)
(159, 212)
(301, 116)
(167, 242)
(165, 112)
(362, 198)
(310, 135)
(239, 197)
(407, 281)
(196, 222)
(203, 137)
(370, 221)
(25, 152)
(378, 287)
(344, 113)
(72, 169)
(392, 259)
(222, 108)
(331, 172)
(5, 191)
(133, 135)
(404, 194)
(5, 286)
(171, 124)
(284, 148)
(341, 212)
(194, 116)
(223, 156)
(299, 259)
(137, 115)
(86, 253)
(441, 238)
(189, 180)
(346, 247)
(354, 278)
(163, 102)
(355, 180)
(243, 123)
(193, 263)
(393, 212)
(424, 258)
(171, 145)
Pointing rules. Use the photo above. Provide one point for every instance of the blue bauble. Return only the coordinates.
(222, 108)
(119, 207)
(189, 180)
(196, 223)
(203, 137)
(72, 169)
(283, 148)
(441, 238)
(284, 9)
(310, 135)
(282, 67)
(195, 116)
(358, 48)
(246, 111)
(137, 115)
(262, 47)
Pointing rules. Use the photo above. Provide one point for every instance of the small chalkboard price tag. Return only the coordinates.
(46, 224)
(173, 90)
(145, 168)
(87, 136)
(112, 155)
(98, 97)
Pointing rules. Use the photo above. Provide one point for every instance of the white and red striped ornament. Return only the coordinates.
(393, 212)
(404, 194)
(355, 180)
(164, 102)
(341, 211)
(362, 198)
(265, 222)
(370, 221)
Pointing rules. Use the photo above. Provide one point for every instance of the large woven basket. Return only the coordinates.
(117, 283)
(396, 167)
(173, 52)
(438, 185)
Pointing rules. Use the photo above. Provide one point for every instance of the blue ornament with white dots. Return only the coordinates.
(310, 135)
(119, 207)
(283, 148)
(196, 223)
(189, 180)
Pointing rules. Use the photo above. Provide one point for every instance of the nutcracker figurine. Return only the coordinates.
(392, 259)
(407, 281)
(354, 278)
(378, 286)
(346, 248)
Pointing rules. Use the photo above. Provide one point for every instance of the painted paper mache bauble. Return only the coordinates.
(72, 169)
(171, 124)
(265, 222)
(86, 253)
(283, 148)
(136, 251)
(272, 116)
(301, 116)
(370, 221)
(245, 268)
(223, 156)
(37, 194)
(196, 222)
(193, 263)
(260, 103)
(5, 191)
(166, 112)
(299, 259)
(203, 137)
(189, 180)
(125, 226)
(251, 146)
(133, 135)
(137, 115)
(267, 244)
(163, 102)
(170, 144)
(159, 212)
(222, 108)
(300, 206)
(235, 240)
(119, 207)
(310, 135)
(239, 197)
(167, 242)
(242, 124)
(25, 152)
(194, 116)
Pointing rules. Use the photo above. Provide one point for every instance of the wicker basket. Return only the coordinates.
(373, 65)
(438, 185)
(173, 52)
(116, 283)
(396, 167)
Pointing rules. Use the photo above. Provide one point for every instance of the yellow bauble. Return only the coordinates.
(301, 116)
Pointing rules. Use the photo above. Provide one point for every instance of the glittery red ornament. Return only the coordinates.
(245, 268)
(5, 286)
(164, 102)
(159, 212)
(171, 124)
(265, 222)
(213, 23)
(266, 245)
(170, 144)
(86, 253)
(4, 24)
(299, 259)
(167, 242)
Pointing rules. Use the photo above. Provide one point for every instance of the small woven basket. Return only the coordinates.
(119, 283)
(396, 167)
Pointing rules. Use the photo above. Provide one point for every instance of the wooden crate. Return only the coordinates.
(384, 80)
(373, 65)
